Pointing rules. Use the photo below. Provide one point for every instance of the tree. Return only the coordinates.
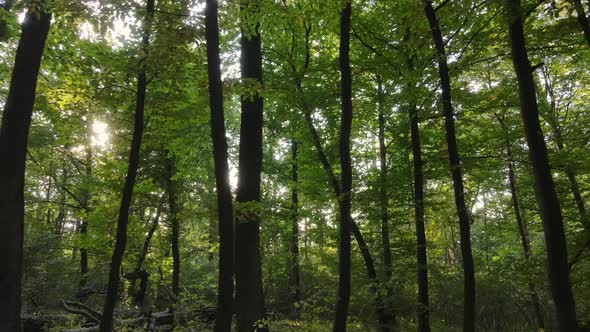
(343, 299)
(249, 297)
(173, 204)
(294, 278)
(455, 165)
(14, 134)
(225, 288)
(106, 323)
(582, 19)
(545, 193)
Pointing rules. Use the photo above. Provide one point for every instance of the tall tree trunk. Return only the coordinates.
(249, 297)
(334, 182)
(61, 214)
(582, 19)
(225, 289)
(547, 201)
(294, 280)
(85, 204)
(106, 324)
(455, 165)
(16, 120)
(524, 239)
(346, 175)
(144, 250)
(172, 189)
(383, 197)
(421, 254)
(388, 318)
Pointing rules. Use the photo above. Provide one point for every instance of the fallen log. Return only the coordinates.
(91, 315)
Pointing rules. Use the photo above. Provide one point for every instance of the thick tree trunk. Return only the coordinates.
(550, 210)
(455, 165)
(343, 299)
(225, 290)
(106, 324)
(294, 280)
(172, 189)
(16, 120)
(582, 19)
(421, 254)
(249, 297)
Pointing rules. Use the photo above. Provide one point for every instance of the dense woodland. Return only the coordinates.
(294, 165)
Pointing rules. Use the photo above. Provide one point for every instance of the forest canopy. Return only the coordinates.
(294, 165)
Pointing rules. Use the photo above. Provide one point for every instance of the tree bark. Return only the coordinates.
(421, 254)
(294, 280)
(106, 324)
(85, 205)
(16, 120)
(343, 299)
(582, 19)
(225, 290)
(383, 197)
(546, 196)
(249, 297)
(388, 318)
(455, 165)
(172, 188)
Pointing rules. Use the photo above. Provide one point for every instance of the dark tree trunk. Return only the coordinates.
(524, 239)
(455, 165)
(225, 290)
(387, 318)
(550, 210)
(294, 281)
(61, 214)
(334, 182)
(421, 254)
(346, 175)
(383, 197)
(172, 188)
(106, 324)
(142, 255)
(582, 19)
(249, 297)
(16, 120)
(85, 205)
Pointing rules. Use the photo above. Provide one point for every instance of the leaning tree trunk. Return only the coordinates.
(225, 289)
(172, 189)
(582, 19)
(249, 296)
(524, 239)
(455, 165)
(294, 280)
(16, 120)
(106, 324)
(545, 193)
(334, 182)
(346, 175)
